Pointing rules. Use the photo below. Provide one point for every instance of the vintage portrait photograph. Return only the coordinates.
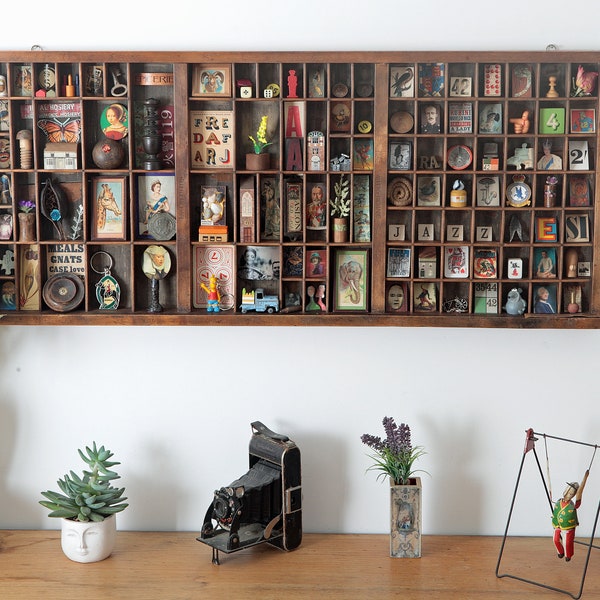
(155, 196)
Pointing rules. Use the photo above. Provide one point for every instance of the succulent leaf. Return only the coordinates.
(89, 497)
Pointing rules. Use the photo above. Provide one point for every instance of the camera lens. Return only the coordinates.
(220, 508)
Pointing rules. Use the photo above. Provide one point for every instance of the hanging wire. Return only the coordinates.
(593, 455)
(548, 467)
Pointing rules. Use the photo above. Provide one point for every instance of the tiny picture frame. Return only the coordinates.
(544, 299)
(211, 81)
(398, 262)
(461, 86)
(109, 213)
(155, 196)
(544, 263)
(583, 121)
(400, 156)
(316, 263)
(430, 118)
(351, 276)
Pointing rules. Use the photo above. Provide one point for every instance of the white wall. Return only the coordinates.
(175, 404)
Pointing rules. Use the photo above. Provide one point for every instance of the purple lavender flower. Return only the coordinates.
(394, 456)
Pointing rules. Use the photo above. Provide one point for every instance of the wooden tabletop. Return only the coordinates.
(174, 566)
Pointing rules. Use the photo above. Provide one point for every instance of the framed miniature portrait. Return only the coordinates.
(155, 198)
(259, 263)
(430, 118)
(114, 121)
(583, 121)
(544, 299)
(402, 81)
(400, 156)
(351, 276)
(544, 263)
(396, 298)
(316, 263)
(316, 208)
(211, 81)
(109, 221)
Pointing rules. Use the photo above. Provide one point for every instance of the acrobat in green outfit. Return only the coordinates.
(564, 518)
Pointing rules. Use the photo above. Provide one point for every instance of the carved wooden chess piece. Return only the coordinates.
(552, 93)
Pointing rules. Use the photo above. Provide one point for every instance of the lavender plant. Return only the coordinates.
(395, 455)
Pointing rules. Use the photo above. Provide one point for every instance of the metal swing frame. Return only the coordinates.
(530, 445)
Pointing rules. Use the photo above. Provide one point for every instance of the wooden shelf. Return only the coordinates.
(174, 565)
(351, 99)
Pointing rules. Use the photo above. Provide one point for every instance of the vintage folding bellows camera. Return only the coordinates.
(264, 505)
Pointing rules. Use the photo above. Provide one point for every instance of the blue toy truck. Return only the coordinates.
(259, 301)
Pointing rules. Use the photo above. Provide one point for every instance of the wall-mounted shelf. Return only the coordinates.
(417, 251)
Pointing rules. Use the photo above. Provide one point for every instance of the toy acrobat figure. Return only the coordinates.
(213, 294)
(564, 518)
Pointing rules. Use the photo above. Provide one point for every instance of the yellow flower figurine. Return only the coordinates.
(260, 143)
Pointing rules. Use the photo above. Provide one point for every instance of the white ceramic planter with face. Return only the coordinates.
(90, 541)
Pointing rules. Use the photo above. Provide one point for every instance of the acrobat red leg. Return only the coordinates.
(558, 543)
(570, 544)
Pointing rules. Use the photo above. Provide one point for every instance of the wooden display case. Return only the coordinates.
(469, 175)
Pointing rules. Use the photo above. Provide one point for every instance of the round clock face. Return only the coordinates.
(460, 157)
(518, 194)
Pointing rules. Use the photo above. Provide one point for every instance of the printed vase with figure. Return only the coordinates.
(27, 227)
(258, 162)
(405, 526)
(340, 229)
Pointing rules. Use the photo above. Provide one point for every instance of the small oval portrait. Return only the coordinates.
(115, 122)
(157, 262)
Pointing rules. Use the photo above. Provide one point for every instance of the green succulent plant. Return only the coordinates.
(91, 497)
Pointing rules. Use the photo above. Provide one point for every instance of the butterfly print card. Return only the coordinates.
(60, 122)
